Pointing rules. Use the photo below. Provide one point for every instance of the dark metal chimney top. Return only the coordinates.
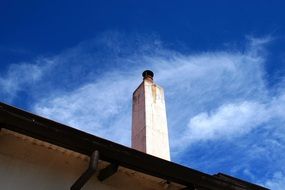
(148, 74)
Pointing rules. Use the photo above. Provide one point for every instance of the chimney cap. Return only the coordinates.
(147, 74)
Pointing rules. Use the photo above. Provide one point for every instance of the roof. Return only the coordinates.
(67, 137)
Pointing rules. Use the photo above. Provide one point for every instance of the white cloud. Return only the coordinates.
(227, 121)
(225, 84)
(18, 75)
(21, 76)
(218, 93)
(277, 182)
(95, 107)
(278, 105)
(232, 120)
(210, 96)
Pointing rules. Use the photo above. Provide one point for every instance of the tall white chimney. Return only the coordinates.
(149, 123)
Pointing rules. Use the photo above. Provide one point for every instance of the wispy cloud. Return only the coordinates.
(233, 119)
(277, 182)
(101, 108)
(210, 96)
(227, 121)
(18, 77)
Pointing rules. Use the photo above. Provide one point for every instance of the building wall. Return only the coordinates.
(27, 164)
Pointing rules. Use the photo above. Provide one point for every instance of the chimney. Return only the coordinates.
(149, 124)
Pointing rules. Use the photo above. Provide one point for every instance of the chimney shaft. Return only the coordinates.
(149, 123)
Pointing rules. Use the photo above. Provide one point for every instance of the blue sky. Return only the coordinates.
(222, 65)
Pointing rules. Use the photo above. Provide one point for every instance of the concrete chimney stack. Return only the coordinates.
(149, 123)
